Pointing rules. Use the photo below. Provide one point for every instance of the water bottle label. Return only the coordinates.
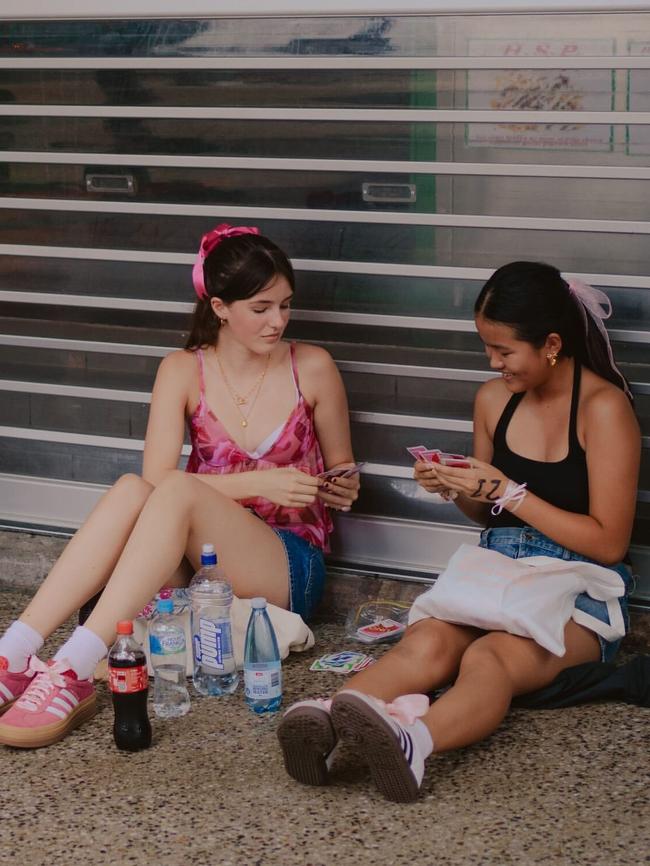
(168, 644)
(262, 681)
(213, 644)
(125, 681)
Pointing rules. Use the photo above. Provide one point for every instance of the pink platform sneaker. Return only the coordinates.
(54, 703)
(12, 685)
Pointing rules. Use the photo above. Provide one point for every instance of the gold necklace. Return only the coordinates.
(240, 400)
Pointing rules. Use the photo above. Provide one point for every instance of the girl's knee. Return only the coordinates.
(426, 643)
(133, 487)
(488, 652)
(174, 481)
(177, 490)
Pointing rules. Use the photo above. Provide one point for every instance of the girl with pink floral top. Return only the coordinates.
(265, 418)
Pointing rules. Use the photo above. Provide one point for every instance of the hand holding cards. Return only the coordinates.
(342, 471)
(431, 456)
(339, 487)
(435, 455)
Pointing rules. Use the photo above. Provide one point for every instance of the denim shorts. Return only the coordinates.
(515, 542)
(306, 572)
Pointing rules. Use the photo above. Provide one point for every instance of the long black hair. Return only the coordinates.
(535, 300)
(237, 268)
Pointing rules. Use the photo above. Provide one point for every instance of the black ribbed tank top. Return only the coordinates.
(564, 483)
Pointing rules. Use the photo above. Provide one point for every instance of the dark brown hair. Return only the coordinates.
(535, 300)
(238, 268)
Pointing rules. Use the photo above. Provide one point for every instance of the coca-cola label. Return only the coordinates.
(125, 681)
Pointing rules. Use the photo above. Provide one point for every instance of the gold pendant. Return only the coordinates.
(244, 423)
(241, 401)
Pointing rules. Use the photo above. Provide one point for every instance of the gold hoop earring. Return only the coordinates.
(552, 358)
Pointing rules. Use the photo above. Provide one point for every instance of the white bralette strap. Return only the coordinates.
(514, 493)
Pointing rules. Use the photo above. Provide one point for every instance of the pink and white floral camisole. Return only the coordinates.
(294, 443)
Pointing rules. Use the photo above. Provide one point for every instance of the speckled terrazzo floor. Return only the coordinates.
(555, 787)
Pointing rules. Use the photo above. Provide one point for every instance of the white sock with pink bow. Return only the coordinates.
(405, 712)
(421, 737)
(18, 643)
(82, 651)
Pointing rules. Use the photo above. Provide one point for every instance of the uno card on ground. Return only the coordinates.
(383, 629)
(342, 662)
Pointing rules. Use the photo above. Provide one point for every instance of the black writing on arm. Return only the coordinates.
(492, 495)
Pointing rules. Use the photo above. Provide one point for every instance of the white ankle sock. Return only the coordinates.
(82, 650)
(18, 643)
(421, 737)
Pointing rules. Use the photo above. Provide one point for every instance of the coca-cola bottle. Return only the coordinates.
(129, 683)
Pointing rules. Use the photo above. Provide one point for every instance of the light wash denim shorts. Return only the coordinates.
(306, 572)
(515, 542)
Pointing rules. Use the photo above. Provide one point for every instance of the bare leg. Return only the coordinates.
(89, 558)
(492, 671)
(493, 668)
(427, 657)
(180, 515)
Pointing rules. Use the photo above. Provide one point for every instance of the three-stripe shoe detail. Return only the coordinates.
(12, 684)
(54, 703)
(66, 702)
(406, 743)
(5, 694)
(382, 735)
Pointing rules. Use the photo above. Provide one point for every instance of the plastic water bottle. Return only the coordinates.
(262, 665)
(211, 597)
(168, 659)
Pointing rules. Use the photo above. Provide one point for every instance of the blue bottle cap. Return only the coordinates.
(165, 605)
(258, 603)
(208, 555)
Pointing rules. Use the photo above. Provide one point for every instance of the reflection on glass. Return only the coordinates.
(414, 36)
(579, 252)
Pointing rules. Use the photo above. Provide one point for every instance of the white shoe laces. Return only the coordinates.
(46, 677)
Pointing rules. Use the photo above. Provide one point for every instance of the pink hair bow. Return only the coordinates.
(208, 242)
(599, 307)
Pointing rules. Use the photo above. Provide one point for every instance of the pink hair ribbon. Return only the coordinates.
(599, 307)
(208, 242)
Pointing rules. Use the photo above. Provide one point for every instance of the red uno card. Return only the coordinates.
(435, 455)
(382, 629)
(458, 460)
(421, 452)
(342, 472)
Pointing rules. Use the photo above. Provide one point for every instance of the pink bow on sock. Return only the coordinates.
(407, 708)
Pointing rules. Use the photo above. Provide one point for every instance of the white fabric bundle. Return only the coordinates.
(532, 597)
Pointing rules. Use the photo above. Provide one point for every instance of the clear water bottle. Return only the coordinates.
(262, 665)
(168, 659)
(211, 597)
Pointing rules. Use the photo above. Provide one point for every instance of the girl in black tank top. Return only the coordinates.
(563, 483)
(540, 336)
